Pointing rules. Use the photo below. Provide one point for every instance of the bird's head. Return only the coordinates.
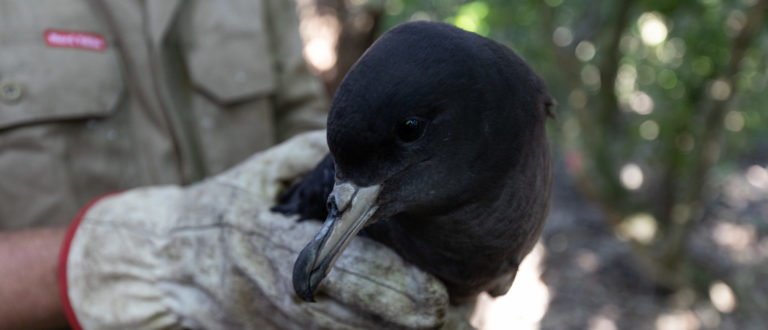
(426, 120)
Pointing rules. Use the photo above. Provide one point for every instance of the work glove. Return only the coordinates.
(213, 256)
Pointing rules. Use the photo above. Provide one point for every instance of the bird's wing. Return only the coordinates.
(307, 198)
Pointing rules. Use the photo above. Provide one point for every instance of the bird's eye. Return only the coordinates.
(410, 129)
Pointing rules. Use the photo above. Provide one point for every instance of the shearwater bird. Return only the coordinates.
(438, 150)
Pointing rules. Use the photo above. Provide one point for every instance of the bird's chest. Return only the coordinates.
(466, 264)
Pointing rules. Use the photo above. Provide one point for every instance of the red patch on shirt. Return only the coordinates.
(75, 39)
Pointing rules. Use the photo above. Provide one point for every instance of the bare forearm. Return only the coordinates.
(29, 296)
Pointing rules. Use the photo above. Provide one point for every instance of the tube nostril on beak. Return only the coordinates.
(342, 195)
(330, 205)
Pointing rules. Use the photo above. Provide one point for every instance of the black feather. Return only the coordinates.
(307, 197)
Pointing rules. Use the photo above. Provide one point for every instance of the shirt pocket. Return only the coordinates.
(231, 65)
(39, 84)
(228, 54)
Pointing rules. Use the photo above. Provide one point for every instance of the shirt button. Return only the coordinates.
(10, 91)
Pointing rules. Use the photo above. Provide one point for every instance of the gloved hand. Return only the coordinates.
(212, 256)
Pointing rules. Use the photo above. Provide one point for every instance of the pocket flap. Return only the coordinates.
(227, 54)
(232, 71)
(52, 84)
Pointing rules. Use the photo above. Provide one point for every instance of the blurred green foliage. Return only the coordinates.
(696, 48)
(656, 99)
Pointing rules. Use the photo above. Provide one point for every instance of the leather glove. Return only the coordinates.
(212, 256)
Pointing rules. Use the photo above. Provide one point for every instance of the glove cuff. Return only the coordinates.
(63, 256)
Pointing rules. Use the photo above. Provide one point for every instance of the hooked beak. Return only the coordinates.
(350, 208)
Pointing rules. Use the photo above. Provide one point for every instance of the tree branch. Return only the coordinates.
(708, 150)
(610, 66)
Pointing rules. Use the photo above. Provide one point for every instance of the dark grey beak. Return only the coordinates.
(350, 208)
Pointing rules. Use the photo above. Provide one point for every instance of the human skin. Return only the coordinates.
(29, 296)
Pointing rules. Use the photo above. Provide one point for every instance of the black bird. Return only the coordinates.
(438, 149)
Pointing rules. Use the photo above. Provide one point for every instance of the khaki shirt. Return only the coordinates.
(100, 96)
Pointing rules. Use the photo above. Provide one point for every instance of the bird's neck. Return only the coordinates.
(483, 239)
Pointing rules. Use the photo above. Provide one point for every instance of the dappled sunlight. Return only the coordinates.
(736, 238)
(758, 176)
(641, 103)
(471, 17)
(649, 130)
(671, 52)
(631, 176)
(601, 322)
(587, 261)
(320, 35)
(562, 36)
(720, 90)
(679, 320)
(743, 187)
(640, 227)
(733, 121)
(590, 75)
(421, 16)
(722, 297)
(585, 51)
(319, 52)
(626, 82)
(652, 29)
(524, 305)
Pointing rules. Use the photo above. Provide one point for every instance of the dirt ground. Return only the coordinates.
(581, 276)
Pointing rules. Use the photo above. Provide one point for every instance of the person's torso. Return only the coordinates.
(100, 96)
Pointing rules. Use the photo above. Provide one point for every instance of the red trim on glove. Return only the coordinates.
(63, 292)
